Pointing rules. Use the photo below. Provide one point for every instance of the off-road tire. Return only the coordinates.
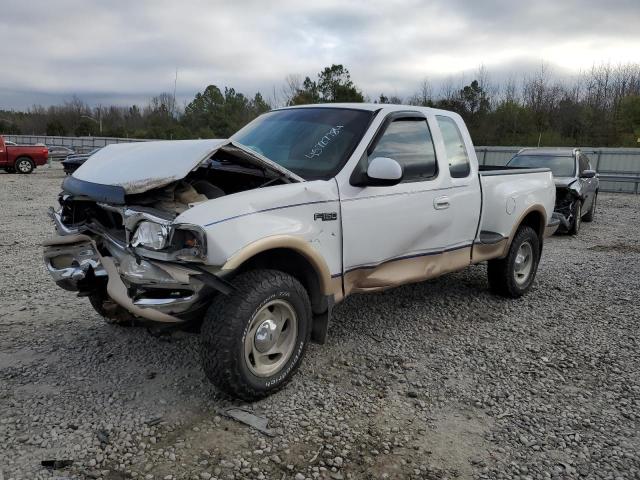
(24, 165)
(577, 218)
(592, 211)
(112, 313)
(501, 272)
(227, 324)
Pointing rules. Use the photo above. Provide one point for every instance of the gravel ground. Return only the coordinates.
(436, 380)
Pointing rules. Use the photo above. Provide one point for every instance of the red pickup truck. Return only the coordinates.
(21, 158)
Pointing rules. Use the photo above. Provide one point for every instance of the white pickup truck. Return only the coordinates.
(257, 237)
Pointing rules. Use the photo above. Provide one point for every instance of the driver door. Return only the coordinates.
(398, 234)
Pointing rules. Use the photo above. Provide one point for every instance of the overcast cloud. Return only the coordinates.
(126, 51)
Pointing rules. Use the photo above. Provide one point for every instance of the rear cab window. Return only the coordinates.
(457, 156)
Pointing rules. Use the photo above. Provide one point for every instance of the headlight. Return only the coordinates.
(190, 241)
(151, 235)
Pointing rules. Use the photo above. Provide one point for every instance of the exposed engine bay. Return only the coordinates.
(215, 178)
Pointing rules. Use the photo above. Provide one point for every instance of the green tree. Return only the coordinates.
(213, 113)
(55, 128)
(474, 99)
(83, 128)
(306, 95)
(629, 119)
(570, 120)
(9, 128)
(511, 122)
(334, 85)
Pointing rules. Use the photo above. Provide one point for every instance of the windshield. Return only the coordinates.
(313, 143)
(561, 166)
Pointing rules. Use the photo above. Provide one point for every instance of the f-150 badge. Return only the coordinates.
(326, 216)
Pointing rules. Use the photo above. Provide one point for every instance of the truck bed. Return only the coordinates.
(508, 195)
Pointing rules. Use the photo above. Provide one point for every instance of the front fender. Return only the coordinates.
(302, 216)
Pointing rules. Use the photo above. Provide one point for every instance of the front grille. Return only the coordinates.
(76, 213)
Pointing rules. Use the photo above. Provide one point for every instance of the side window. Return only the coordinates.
(459, 165)
(408, 141)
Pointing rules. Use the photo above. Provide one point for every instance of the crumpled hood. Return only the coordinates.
(142, 166)
(563, 182)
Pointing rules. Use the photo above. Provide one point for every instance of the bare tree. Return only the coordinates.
(540, 96)
(292, 85)
(510, 91)
(447, 90)
(491, 90)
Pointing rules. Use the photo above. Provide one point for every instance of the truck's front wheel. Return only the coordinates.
(253, 340)
(513, 275)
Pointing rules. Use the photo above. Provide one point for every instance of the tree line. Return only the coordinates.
(600, 107)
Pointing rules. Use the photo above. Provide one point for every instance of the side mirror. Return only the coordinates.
(384, 172)
(588, 174)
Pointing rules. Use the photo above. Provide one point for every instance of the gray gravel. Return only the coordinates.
(436, 380)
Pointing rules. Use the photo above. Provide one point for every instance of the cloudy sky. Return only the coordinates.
(124, 51)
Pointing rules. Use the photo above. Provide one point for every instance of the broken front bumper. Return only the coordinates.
(70, 259)
(149, 289)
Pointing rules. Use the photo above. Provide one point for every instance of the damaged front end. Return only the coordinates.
(121, 242)
(165, 284)
(567, 194)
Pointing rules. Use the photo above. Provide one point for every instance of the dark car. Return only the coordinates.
(58, 152)
(73, 162)
(576, 182)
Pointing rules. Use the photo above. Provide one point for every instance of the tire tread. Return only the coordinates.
(225, 321)
(501, 281)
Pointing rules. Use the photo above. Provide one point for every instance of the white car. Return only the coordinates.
(259, 236)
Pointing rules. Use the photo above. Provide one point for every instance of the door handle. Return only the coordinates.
(441, 203)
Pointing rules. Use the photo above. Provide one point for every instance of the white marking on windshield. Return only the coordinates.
(319, 147)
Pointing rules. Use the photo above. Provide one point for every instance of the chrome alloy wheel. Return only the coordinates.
(523, 265)
(271, 338)
(24, 166)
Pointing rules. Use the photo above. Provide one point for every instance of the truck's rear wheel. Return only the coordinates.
(513, 275)
(253, 340)
(112, 313)
(24, 165)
